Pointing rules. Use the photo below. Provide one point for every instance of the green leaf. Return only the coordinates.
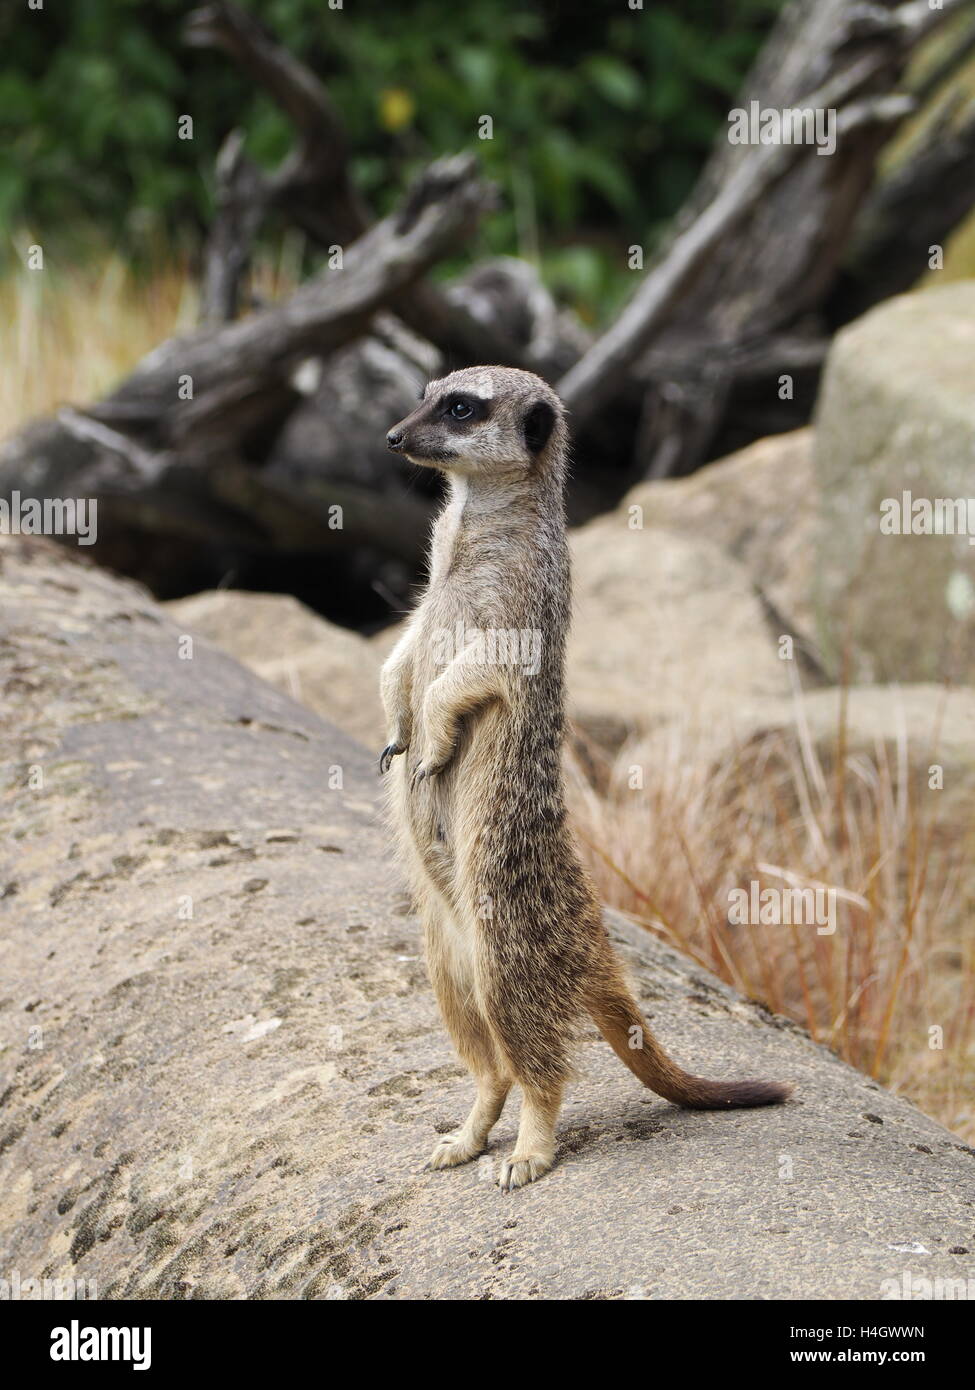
(615, 81)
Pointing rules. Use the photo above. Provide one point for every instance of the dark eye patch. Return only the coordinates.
(472, 408)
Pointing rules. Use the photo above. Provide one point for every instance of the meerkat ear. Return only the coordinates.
(539, 422)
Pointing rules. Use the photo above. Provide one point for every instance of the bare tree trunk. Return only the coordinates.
(909, 215)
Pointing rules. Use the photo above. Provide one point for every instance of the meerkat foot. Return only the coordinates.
(535, 1147)
(454, 1149)
(520, 1169)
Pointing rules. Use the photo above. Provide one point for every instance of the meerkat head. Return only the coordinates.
(484, 421)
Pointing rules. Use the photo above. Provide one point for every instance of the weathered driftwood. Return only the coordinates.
(235, 365)
(313, 190)
(312, 187)
(238, 441)
(170, 452)
(912, 211)
(241, 203)
(760, 244)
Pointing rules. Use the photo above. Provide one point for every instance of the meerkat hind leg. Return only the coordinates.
(472, 1039)
(534, 1149)
(471, 1139)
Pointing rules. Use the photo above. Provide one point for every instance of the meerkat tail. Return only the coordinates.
(618, 1017)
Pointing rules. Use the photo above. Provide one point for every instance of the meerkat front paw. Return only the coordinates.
(454, 1149)
(428, 766)
(520, 1169)
(391, 751)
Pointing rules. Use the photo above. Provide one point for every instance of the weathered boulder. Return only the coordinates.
(666, 627)
(756, 504)
(223, 1069)
(923, 727)
(935, 724)
(925, 735)
(331, 669)
(895, 424)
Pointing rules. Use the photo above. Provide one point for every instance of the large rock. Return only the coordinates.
(666, 627)
(897, 415)
(935, 725)
(333, 671)
(925, 737)
(756, 504)
(239, 1102)
(919, 727)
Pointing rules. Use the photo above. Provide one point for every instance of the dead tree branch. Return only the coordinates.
(314, 190)
(781, 208)
(237, 371)
(242, 197)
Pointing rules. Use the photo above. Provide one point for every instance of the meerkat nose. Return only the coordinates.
(394, 440)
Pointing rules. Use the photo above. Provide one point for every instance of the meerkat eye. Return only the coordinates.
(461, 410)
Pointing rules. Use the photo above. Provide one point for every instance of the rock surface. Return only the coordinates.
(331, 669)
(935, 724)
(896, 414)
(666, 626)
(239, 1102)
(755, 503)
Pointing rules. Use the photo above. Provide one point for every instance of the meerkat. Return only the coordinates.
(474, 698)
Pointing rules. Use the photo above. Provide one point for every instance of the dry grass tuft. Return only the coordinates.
(782, 813)
(69, 334)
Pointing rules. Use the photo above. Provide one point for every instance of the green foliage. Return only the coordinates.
(601, 114)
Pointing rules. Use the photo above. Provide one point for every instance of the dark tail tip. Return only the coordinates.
(734, 1095)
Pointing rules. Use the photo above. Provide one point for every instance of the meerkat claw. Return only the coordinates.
(422, 771)
(517, 1172)
(386, 757)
